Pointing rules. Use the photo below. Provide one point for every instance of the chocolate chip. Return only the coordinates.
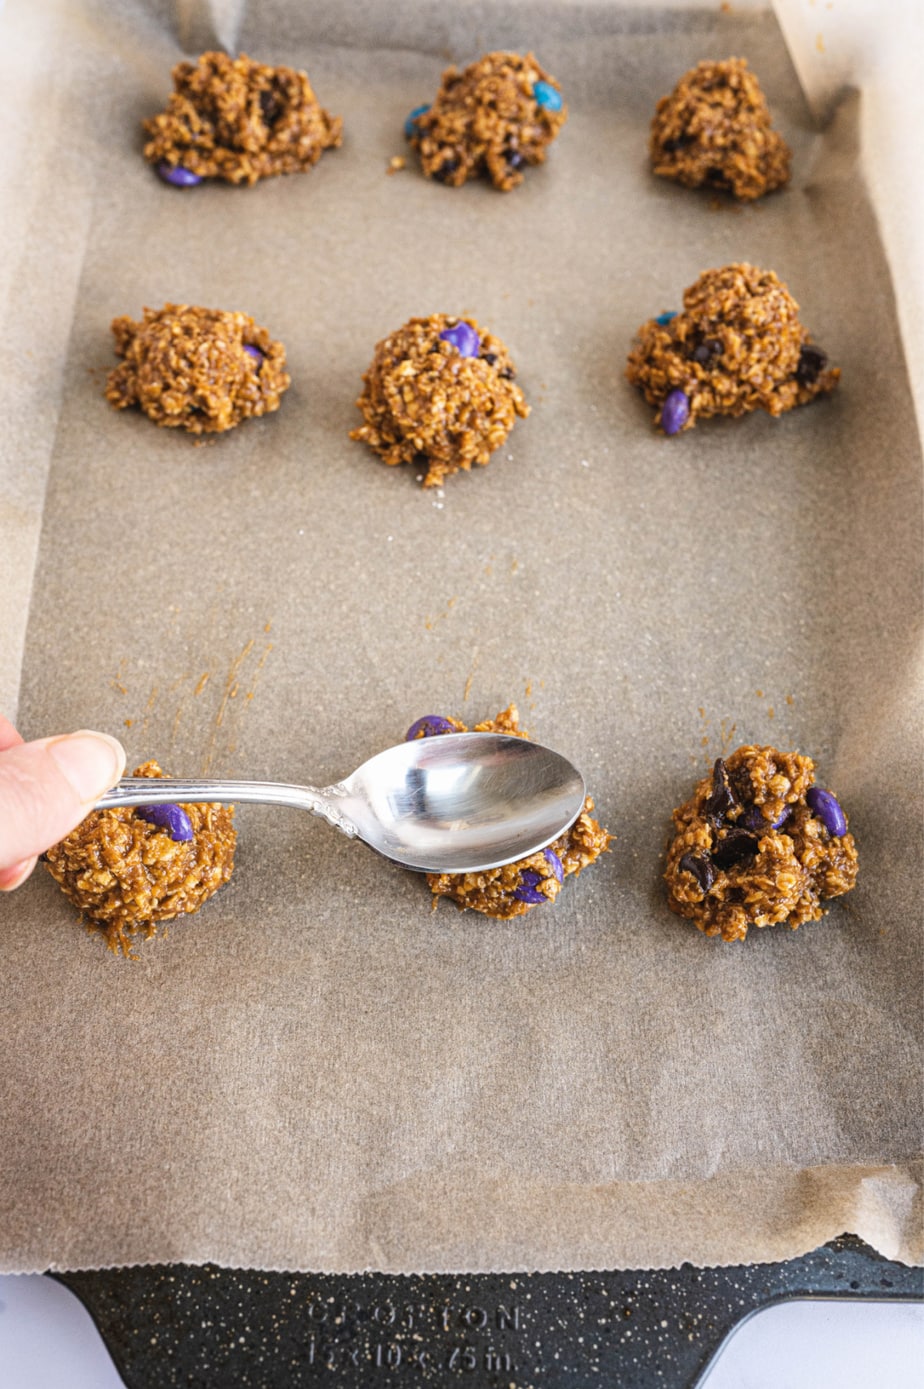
(507, 374)
(701, 868)
(270, 107)
(447, 167)
(812, 362)
(707, 352)
(489, 357)
(737, 845)
(740, 782)
(723, 797)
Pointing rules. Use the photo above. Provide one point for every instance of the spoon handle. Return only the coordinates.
(141, 790)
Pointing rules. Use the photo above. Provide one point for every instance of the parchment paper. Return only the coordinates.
(316, 1072)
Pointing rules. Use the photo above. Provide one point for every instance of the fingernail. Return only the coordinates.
(92, 762)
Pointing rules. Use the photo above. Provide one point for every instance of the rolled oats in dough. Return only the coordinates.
(515, 888)
(203, 370)
(495, 118)
(440, 394)
(736, 346)
(751, 847)
(238, 120)
(125, 875)
(715, 130)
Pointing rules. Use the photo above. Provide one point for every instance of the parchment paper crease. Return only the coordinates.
(316, 1072)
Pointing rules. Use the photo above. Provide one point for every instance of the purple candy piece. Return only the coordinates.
(463, 338)
(254, 352)
(178, 176)
(554, 863)
(526, 892)
(675, 411)
(168, 817)
(754, 819)
(430, 726)
(823, 804)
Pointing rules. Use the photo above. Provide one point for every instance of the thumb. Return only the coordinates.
(49, 786)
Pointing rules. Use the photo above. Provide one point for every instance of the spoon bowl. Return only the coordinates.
(462, 803)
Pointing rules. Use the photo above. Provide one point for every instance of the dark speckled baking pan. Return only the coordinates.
(216, 1328)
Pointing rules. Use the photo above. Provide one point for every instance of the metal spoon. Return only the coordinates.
(457, 804)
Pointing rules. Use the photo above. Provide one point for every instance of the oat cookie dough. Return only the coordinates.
(495, 118)
(128, 869)
(237, 120)
(203, 370)
(758, 844)
(440, 394)
(715, 129)
(736, 346)
(516, 888)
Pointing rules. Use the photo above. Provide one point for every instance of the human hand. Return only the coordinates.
(46, 788)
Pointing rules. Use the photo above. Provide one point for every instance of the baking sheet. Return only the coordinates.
(317, 1072)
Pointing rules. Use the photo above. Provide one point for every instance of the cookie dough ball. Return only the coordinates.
(204, 370)
(495, 118)
(233, 119)
(758, 844)
(516, 888)
(128, 869)
(440, 394)
(737, 346)
(715, 129)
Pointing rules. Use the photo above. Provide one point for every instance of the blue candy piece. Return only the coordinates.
(178, 176)
(825, 806)
(663, 319)
(168, 817)
(430, 726)
(754, 819)
(675, 412)
(254, 352)
(526, 892)
(410, 125)
(463, 338)
(547, 96)
(554, 863)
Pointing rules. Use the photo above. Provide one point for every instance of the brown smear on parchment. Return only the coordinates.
(220, 733)
(223, 740)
